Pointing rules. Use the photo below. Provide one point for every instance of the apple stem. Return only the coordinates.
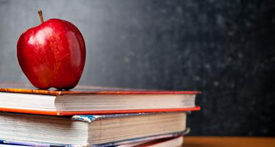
(41, 16)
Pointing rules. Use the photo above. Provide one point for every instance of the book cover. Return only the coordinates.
(83, 90)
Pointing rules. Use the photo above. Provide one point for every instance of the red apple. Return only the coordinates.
(52, 54)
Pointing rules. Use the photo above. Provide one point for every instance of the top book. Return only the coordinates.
(23, 98)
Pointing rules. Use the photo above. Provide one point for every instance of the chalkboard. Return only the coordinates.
(223, 48)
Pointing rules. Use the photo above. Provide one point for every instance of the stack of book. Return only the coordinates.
(97, 117)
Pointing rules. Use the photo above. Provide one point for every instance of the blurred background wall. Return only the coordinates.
(223, 48)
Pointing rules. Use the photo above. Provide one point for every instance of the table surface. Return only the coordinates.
(229, 141)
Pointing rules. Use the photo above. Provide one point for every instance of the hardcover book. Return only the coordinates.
(89, 130)
(94, 100)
